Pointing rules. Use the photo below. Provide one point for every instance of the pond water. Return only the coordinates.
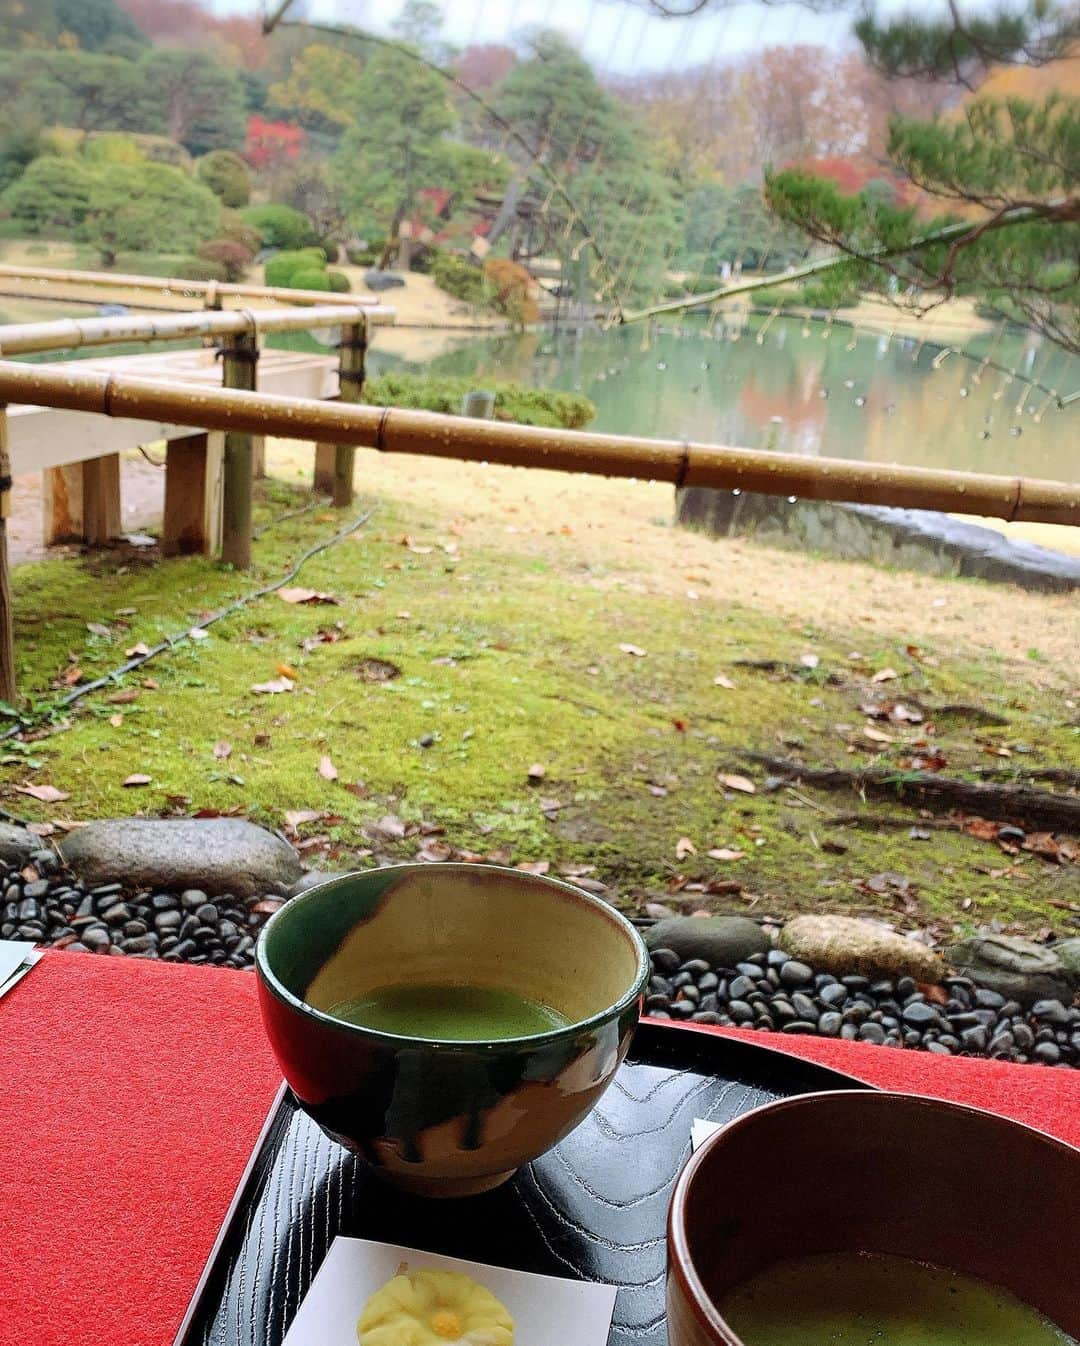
(804, 387)
(782, 383)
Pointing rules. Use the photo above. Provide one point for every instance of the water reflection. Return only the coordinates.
(860, 395)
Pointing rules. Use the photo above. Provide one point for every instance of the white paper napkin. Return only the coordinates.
(547, 1311)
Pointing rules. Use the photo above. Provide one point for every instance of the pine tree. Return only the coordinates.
(998, 214)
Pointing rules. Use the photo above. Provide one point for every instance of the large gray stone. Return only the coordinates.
(1068, 953)
(722, 941)
(912, 539)
(1016, 968)
(17, 845)
(844, 945)
(218, 855)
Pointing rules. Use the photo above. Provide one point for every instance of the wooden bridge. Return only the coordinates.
(80, 453)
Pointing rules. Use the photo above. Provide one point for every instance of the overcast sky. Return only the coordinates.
(615, 35)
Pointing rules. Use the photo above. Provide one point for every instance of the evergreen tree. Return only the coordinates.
(1000, 176)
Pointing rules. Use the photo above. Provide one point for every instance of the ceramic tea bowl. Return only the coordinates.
(876, 1173)
(449, 1118)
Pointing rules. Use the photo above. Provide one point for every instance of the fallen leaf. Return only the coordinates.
(150, 684)
(809, 660)
(273, 687)
(721, 681)
(684, 847)
(885, 675)
(876, 735)
(197, 633)
(327, 770)
(97, 629)
(124, 697)
(742, 783)
(71, 676)
(287, 671)
(420, 551)
(116, 720)
(434, 852)
(222, 749)
(536, 773)
(725, 853)
(658, 791)
(534, 866)
(659, 911)
(1042, 843)
(919, 833)
(47, 794)
(137, 778)
(390, 827)
(982, 829)
(681, 726)
(297, 817)
(635, 650)
(305, 596)
(136, 650)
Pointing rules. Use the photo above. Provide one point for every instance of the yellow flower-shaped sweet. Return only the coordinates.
(434, 1308)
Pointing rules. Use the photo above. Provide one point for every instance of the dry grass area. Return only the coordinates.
(620, 535)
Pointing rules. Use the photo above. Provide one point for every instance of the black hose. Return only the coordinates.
(170, 642)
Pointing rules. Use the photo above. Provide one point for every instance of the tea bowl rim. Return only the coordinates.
(269, 980)
(681, 1264)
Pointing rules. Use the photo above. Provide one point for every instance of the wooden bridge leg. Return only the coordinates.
(192, 523)
(7, 647)
(240, 354)
(258, 455)
(101, 499)
(351, 374)
(325, 456)
(82, 501)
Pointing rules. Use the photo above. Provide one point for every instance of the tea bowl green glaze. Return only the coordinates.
(449, 1118)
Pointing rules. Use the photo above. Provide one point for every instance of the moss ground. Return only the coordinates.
(503, 597)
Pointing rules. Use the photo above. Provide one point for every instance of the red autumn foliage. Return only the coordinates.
(271, 144)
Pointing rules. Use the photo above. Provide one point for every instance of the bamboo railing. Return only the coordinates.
(209, 290)
(74, 333)
(398, 430)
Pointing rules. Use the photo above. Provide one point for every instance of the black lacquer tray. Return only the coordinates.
(592, 1209)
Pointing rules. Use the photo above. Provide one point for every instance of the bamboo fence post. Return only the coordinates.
(7, 646)
(240, 353)
(351, 379)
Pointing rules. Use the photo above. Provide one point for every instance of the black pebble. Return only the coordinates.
(794, 973)
(665, 961)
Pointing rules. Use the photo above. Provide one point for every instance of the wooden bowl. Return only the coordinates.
(878, 1173)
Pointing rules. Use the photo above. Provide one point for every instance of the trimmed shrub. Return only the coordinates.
(510, 287)
(459, 277)
(280, 226)
(227, 176)
(234, 257)
(339, 282)
(281, 269)
(199, 268)
(50, 194)
(311, 278)
(331, 249)
(513, 401)
(112, 148)
(233, 228)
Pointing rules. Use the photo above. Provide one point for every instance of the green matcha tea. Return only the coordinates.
(453, 1013)
(855, 1300)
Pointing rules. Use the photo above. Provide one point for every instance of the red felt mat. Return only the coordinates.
(132, 1093)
